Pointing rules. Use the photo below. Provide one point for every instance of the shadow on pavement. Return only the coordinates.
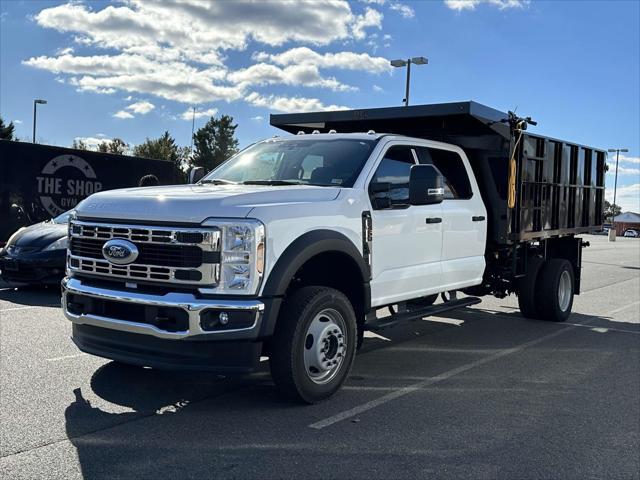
(41, 296)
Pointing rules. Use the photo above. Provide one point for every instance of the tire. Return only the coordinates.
(527, 289)
(314, 344)
(555, 290)
(422, 302)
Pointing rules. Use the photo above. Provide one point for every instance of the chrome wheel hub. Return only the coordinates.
(325, 346)
(564, 291)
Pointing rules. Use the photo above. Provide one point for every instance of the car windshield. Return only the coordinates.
(324, 162)
(62, 218)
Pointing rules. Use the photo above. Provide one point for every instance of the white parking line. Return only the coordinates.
(401, 392)
(66, 357)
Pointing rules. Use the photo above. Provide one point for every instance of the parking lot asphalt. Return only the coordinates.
(476, 393)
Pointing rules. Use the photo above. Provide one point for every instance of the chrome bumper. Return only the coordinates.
(185, 301)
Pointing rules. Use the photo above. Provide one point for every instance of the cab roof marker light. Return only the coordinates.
(300, 132)
(371, 132)
(315, 132)
(332, 131)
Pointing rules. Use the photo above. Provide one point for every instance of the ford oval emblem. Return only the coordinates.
(120, 252)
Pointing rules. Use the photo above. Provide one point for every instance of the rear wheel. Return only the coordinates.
(527, 300)
(555, 290)
(314, 344)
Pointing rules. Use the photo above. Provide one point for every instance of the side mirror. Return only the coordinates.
(196, 174)
(426, 185)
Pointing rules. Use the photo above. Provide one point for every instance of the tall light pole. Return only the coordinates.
(615, 183)
(407, 63)
(35, 104)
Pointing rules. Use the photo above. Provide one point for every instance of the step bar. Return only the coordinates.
(412, 315)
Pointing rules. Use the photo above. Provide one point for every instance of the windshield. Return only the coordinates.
(62, 218)
(296, 162)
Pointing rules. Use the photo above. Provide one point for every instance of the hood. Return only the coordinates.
(195, 203)
(39, 235)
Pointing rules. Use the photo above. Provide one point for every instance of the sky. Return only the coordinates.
(135, 68)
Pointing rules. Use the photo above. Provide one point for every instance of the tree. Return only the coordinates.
(117, 146)
(215, 142)
(80, 144)
(6, 131)
(611, 210)
(164, 148)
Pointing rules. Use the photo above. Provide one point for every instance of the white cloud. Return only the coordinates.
(377, 88)
(257, 118)
(177, 50)
(625, 159)
(370, 18)
(627, 197)
(460, 5)
(142, 107)
(17, 122)
(405, 10)
(188, 114)
(93, 142)
(305, 75)
(123, 114)
(622, 170)
(340, 60)
(289, 104)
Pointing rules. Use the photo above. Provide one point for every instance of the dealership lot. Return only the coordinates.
(479, 393)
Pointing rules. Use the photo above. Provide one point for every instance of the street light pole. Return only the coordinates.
(35, 104)
(407, 63)
(615, 182)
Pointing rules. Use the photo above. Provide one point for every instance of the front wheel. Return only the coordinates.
(314, 344)
(555, 290)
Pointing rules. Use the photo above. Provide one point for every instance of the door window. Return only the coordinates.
(451, 166)
(393, 170)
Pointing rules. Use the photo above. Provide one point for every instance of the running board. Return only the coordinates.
(393, 320)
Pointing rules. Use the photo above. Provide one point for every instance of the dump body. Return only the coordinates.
(559, 185)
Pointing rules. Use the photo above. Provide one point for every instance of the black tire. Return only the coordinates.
(290, 344)
(422, 302)
(550, 282)
(527, 289)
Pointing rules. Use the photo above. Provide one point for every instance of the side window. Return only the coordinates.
(451, 167)
(394, 170)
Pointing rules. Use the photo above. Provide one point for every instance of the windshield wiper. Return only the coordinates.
(272, 182)
(218, 181)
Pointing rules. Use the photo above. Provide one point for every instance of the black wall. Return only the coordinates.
(45, 180)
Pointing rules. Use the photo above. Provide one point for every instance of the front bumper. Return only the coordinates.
(120, 325)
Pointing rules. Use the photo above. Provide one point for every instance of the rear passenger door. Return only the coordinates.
(464, 222)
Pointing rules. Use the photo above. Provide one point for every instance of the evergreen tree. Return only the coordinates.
(7, 131)
(215, 142)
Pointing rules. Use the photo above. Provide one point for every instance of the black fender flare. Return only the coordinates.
(297, 254)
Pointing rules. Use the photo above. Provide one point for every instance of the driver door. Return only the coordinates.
(407, 239)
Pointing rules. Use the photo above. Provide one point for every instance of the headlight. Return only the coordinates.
(242, 256)
(60, 244)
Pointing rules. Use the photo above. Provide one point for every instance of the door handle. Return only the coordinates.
(479, 218)
(434, 220)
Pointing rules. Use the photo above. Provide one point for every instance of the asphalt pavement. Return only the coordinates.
(477, 393)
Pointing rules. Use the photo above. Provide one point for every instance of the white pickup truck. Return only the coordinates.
(289, 248)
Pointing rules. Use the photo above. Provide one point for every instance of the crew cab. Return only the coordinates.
(290, 248)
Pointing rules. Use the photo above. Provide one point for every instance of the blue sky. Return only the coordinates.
(131, 69)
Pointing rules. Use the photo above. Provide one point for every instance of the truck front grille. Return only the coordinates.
(166, 254)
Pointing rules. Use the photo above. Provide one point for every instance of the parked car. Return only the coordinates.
(36, 254)
(632, 233)
(290, 248)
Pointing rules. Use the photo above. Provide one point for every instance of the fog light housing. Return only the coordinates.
(215, 320)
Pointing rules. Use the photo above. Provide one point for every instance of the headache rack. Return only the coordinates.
(559, 185)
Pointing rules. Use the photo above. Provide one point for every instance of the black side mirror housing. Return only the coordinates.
(426, 185)
(196, 174)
